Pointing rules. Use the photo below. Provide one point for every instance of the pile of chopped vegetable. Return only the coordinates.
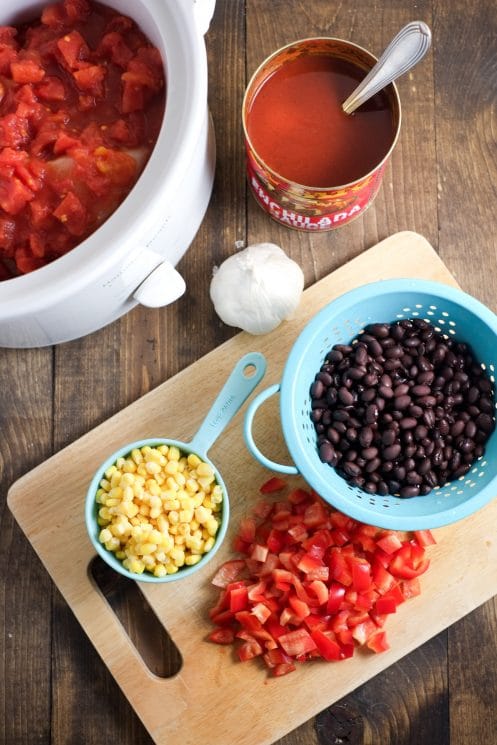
(312, 583)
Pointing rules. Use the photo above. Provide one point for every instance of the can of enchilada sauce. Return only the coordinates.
(311, 166)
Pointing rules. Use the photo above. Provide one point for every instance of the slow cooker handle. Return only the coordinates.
(163, 286)
(203, 10)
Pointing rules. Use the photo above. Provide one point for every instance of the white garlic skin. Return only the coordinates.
(257, 288)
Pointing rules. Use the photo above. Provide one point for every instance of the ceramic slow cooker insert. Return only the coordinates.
(131, 258)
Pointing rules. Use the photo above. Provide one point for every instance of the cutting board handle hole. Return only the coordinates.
(145, 631)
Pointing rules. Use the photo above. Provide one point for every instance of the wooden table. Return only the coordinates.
(440, 183)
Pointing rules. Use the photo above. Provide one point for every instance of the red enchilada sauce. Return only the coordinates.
(81, 104)
(297, 127)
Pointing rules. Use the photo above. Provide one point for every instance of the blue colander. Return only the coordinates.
(451, 312)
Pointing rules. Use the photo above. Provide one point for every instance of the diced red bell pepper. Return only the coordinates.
(297, 642)
(272, 485)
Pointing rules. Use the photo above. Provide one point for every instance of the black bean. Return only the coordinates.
(470, 429)
(317, 389)
(368, 395)
(392, 451)
(327, 452)
(345, 396)
(385, 391)
(375, 348)
(388, 437)
(371, 413)
(409, 491)
(380, 330)
(421, 390)
(408, 422)
(366, 436)
(399, 473)
(486, 405)
(351, 434)
(484, 422)
(402, 402)
(424, 466)
(351, 469)
(369, 453)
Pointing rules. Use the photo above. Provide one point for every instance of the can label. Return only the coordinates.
(321, 211)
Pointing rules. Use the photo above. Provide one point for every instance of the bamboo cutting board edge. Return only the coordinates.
(263, 713)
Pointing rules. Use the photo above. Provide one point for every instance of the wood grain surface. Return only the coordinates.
(441, 182)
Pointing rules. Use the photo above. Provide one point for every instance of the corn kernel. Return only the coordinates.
(105, 484)
(180, 480)
(163, 524)
(195, 544)
(160, 571)
(130, 509)
(192, 559)
(163, 449)
(171, 504)
(174, 453)
(191, 486)
(105, 535)
(217, 495)
(136, 456)
(186, 502)
(178, 556)
(202, 514)
(204, 469)
(171, 484)
(171, 568)
(129, 467)
(212, 526)
(205, 481)
(112, 544)
(209, 544)
(152, 467)
(171, 467)
(193, 460)
(198, 499)
(115, 479)
(149, 562)
(173, 517)
(111, 502)
(110, 471)
(185, 516)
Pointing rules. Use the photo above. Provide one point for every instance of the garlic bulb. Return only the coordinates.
(257, 288)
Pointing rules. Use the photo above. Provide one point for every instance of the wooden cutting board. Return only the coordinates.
(214, 699)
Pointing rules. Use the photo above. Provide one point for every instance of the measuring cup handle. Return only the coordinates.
(229, 400)
(249, 439)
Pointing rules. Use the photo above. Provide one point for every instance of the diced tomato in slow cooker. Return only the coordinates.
(82, 96)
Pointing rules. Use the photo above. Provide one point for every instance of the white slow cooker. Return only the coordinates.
(131, 258)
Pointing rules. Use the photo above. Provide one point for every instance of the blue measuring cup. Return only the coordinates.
(245, 376)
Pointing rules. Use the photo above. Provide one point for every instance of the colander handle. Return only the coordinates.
(249, 438)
